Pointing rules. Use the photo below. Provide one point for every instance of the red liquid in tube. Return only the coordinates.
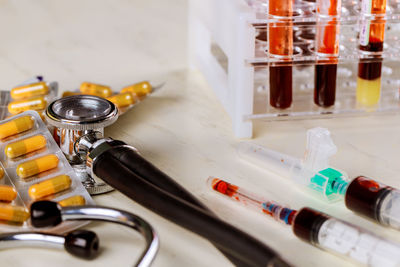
(281, 45)
(327, 47)
(364, 195)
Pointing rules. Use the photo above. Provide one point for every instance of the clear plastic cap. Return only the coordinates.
(313, 170)
(319, 149)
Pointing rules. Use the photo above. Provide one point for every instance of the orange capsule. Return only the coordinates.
(77, 200)
(12, 213)
(140, 89)
(123, 99)
(7, 193)
(69, 93)
(1, 172)
(38, 165)
(95, 89)
(35, 103)
(49, 187)
(25, 146)
(16, 126)
(30, 90)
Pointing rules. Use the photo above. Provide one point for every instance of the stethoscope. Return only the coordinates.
(78, 123)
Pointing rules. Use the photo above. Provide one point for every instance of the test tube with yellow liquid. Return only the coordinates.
(372, 33)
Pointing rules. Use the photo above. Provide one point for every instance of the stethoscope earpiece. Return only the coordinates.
(45, 214)
(82, 243)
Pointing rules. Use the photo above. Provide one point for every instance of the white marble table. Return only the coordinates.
(182, 128)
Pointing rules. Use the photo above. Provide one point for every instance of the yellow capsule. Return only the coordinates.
(16, 126)
(140, 89)
(69, 93)
(13, 213)
(7, 193)
(35, 166)
(123, 99)
(30, 90)
(25, 146)
(49, 187)
(95, 89)
(77, 200)
(1, 172)
(35, 103)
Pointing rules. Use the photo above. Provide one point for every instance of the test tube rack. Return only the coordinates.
(228, 44)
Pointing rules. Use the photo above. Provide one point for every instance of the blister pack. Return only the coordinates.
(34, 168)
(32, 94)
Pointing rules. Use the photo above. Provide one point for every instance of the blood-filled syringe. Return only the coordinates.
(362, 195)
(319, 229)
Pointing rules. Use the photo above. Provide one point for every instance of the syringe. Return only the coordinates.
(319, 229)
(362, 195)
(313, 171)
(273, 209)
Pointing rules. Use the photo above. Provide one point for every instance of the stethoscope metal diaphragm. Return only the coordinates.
(73, 117)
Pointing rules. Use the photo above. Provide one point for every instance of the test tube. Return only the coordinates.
(371, 45)
(280, 40)
(327, 48)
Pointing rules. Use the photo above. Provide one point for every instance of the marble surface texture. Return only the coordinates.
(182, 129)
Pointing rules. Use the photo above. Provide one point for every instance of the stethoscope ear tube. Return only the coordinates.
(80, 243)
(48, 214)
(234, 241)
(130, 158)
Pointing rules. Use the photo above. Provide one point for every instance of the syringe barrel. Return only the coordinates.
(271, 160)
(328, 182)
(345, 239)
(389, 212)
(374, 200)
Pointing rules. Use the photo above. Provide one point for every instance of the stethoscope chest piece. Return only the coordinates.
(73, 117)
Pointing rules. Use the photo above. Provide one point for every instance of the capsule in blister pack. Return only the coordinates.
(13, 212)
(7, 193)
(32, 94)
(50, 187)
(25, 146)
(95, 89)
(29, 90)
(34, 103)
(34, 168)
(123, 99)
(76, 200)
(17, 126)
(140, 89)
